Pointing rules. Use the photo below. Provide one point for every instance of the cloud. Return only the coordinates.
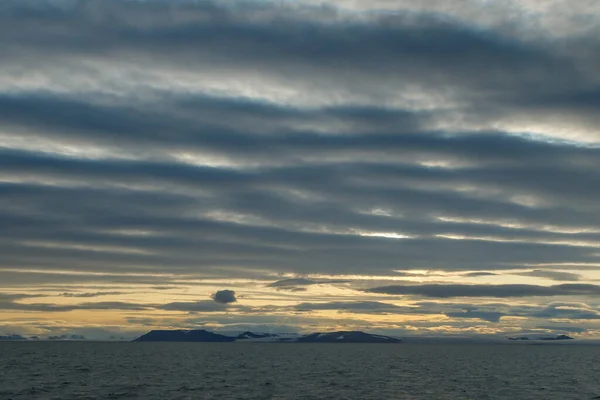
(197, 306)
(224, 296)
(292, 282)
(111, 305)
(18, 296)
(145, 321)
(484, 315)
(566, 311)
(512, 290)
(553, 275)
(49, 307)
(374, 307)
(297, 284)
(351, 306)
(555, 328)
(477, 274)
(94, 294)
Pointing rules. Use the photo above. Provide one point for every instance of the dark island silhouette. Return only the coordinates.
(559, 337)
(181, 335)
(202, 335)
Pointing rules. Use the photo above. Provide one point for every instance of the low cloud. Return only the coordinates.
(354, 306)
(490, 316)
(512, 290)
(224, 296)
(18, 296)
(478, 274)
(111, 305)
(195, 306)
(96, 294)
(49, 307)
(566, 311)
(572, 329)
(466, 311)
(292, 282)
(553, 275)
(299, 284)
(141, 321)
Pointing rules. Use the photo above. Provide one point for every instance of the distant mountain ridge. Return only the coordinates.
(559, 337)
(252, 335)
(12, 337)
(181, 335)
(202, 335)
(346, 337)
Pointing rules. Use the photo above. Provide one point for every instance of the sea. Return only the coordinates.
(125, 370)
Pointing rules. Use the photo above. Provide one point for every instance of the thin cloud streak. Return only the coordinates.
(515, 290)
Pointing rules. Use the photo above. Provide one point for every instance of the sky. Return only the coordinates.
(410, 168)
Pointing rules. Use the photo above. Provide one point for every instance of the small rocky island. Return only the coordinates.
(559, 337)
(202, 335)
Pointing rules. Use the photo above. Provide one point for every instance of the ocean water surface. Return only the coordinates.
(96, 370)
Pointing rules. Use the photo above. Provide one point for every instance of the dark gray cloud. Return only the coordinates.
(490, 312)
(490, 316)
(18, 296)
(224, 296)
(90, 294)
(478, 274)
(565, 311)
(311, 43)
(297, 284)
(374, 307)
(553, 275)
(197, 306)
(511, 290)
(292, 282)
(557, 328)
(367, 307)
(145, 321)
(49, 307)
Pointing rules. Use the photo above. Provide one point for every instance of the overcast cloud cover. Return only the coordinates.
(298, 165)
